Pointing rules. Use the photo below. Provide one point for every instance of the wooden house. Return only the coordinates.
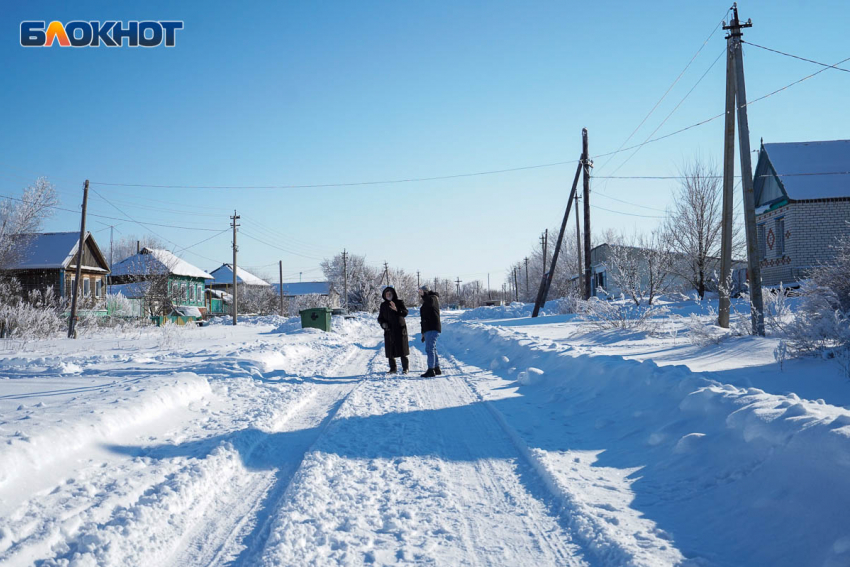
(161, 281)
(48, 260)
(222, 278)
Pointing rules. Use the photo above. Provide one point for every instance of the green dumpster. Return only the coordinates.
(316, 318)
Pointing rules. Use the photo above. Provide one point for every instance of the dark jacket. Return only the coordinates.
(396, 343)
(430, 312)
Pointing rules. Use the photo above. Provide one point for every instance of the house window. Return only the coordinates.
(87, 287)
(192, 293)
(71, 287)
(779, 228)
(762, 242)
(183, 291)
(200, 294)
(98, 287)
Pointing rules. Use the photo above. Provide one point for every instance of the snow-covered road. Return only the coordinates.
(268, 445)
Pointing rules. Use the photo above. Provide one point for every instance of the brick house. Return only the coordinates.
(802, 206)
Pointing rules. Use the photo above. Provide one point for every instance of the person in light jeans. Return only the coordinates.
(429, 315)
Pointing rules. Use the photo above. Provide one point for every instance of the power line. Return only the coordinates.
(278, 247)
(628, 214)
(797, 57)
(720, 23)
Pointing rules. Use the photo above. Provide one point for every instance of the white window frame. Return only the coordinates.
(183, 291)
(98, 287)
(86, 287)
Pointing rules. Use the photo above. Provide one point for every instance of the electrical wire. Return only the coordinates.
(797, 57)
(261, 241)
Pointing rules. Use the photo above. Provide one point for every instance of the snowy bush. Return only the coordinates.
(703, 334)
(118, 305)
(38, 317)
(619, 314)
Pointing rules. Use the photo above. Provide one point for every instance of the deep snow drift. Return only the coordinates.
(544, 443)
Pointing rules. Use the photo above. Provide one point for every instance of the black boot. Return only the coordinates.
(437, 370)
(393, 368)
(405, 365)
(429, 374)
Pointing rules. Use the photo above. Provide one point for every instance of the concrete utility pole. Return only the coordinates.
(387, 273)
(111, 228)
(756, 300)
(436, 286)
(728, 189)
(457, 282)
(417, 280)
(345, 278)
(234, 226)
(489, 293)
(587, 164)
(544, 241)
(77, 282)
(280, 265)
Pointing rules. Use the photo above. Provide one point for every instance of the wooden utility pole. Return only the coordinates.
(578, 239)
(728, 190)
(546, 282)
(387, 273)
(345, 278)
(110, 246)
(527, 288)
(417, 280)
(436, 285)
(587, 164)
(233, 225)
(489, 293)
(516, 285)
(77, 279)
(280, 266)
(756, 300)
(457, 282)
(544, 241)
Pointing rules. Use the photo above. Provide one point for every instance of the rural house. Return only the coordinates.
(161, 282)
(49, 260)
(223, 278)
(802, 193)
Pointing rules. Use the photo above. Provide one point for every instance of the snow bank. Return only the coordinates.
(734, 476)
(45, 441)
(512, 311)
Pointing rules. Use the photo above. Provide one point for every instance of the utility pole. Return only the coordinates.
(504, 293)
(457, 282)
(345, 277)
(280, 265)
(578, 238)
(516, 285)
(386, 273)
(728, 190)
(544, 240)
(77, 282)
(477, 293)
(234, 226)
(546, 282)
(417, 280)
(527, 288)
(756, 301)
(586, 165)
(489, 293)
(436, 286)
(111, 228)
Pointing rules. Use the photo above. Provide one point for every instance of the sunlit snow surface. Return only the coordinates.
(545, 442)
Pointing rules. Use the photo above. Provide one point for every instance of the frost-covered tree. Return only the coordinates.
(695, 221)
(19, 218)
(364, 282)
(125, 247)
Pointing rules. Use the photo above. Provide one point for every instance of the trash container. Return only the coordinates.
(316, 318)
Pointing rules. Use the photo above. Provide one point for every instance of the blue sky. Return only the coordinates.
(285, 93)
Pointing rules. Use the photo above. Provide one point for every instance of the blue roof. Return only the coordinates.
(812, 170)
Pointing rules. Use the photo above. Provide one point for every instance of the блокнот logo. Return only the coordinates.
(94, 34)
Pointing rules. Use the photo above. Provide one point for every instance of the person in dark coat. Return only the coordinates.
(391, 318)
(431, 328)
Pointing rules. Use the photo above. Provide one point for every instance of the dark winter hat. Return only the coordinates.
(425, 288)
(390, 289)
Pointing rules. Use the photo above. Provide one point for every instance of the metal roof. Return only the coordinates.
(152, 260)
(224, 275)
(812, 170)
(52, 250)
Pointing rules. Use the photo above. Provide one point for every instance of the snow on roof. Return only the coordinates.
(48, 250)
(224, 275)
(304, 288)
(150, 259)
(792, 159)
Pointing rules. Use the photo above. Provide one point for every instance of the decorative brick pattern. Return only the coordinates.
(811, 229)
